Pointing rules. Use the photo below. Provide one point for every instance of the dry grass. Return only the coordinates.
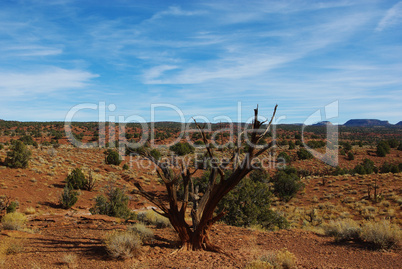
(151, 217)
(70, 260)
(14, 221)
(9, 246)
(382, 234)
(142, 231)
(342, 230)
(123, 245)
(282, 259)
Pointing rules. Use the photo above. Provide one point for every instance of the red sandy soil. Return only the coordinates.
(57, 232)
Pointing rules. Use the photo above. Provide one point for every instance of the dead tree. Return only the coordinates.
(195, 236)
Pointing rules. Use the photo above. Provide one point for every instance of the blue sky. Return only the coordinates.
(203, 57)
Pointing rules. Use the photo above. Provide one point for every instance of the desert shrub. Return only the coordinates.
(151, 217)
(13, 207)
(76, 179)
(393, 143)
(113, 157)
(400, 146)
(387, 168)
(18, 156)
(382, 149)
(115, 204)
(346, 146)
(90, 183)
(1, 146)
(260, 175)
(286, 184)
(340, 171)
(291, 145)
(303, 154)
(343, 230)
(142, 231)
(249, 204)
(381, 234)
(365, 168)
(156, 154)
(351, 156)
(68, 197)
(316, 144)
(13, 221)
(285, 157)
(125, 167)
(281, 259)
(182, 149)
(28, 140)
(123, 245)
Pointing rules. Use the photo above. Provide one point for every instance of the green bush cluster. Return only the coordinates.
(287, 183)
(76, 180)
(285, 157)
(182, 149)
(249, 204)
(365, 168)
(316, 144)
(383, 149)
(113, 157)
(18, 156)
(115, 204)
(68, 197)
(304, 154)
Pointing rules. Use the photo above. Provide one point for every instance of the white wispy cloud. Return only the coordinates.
(42, 82)
(392, 17)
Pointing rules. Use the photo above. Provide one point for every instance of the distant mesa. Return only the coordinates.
(322, 123)
(366, 123)
(399, 123)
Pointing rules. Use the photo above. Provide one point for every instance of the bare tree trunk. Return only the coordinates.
(196, 236)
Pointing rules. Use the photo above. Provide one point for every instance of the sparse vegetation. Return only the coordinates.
(18, 156)
(76, 179)
(123, 244)
(68, 197)
(113, 157)
(115, 204)
(14, 221)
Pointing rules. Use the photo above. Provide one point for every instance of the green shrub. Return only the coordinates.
(125, 166)
(13, 221)
(400, 146)
(156, 154)
(13, 207)
(68, 197)
(343, 230)
(304, 154)
(249, 204)
(18, 156)
(142, 231)
(1, 146)
(123, 245)
(382, 149)
(285, 157)
(76, 179)
(182, 149)
(365, 168)
(351, 156)
(382, 234)
(115, 205)
(113, 157)
(393, 143)
(389, 168)
(316, 144)
(286, 184)
(291, 145)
